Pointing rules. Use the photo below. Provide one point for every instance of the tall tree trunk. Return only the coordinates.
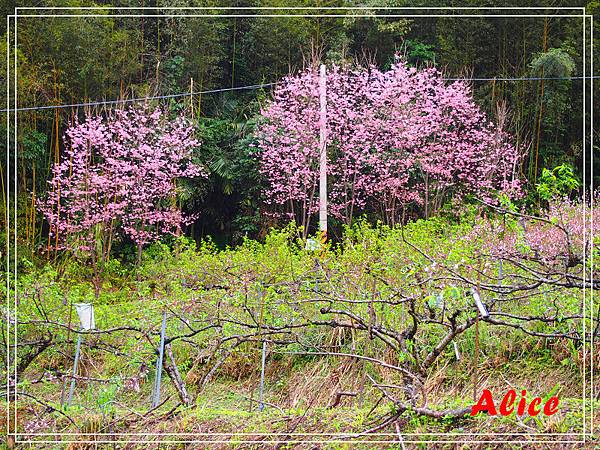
(139, 254)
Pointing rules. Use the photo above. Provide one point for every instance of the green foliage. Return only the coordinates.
(557, 106)
(558, 182)
(105, 398)
(34, 145)
(419, 53)
(555, 63)
(227, 152)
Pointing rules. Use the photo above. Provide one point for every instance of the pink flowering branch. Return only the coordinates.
(119, 177)
(395, 138)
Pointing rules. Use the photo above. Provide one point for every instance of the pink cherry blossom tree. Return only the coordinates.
(399, 137)
(119, 177)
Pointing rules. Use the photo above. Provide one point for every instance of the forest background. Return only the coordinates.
(78, 60)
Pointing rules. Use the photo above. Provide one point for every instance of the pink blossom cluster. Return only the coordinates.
(393, 137)
(120, 173)
(561, 236)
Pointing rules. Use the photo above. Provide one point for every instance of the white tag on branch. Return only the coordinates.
(456, 352)
(85, 311)
(482, 309)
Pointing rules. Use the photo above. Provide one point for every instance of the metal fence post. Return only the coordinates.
(159, 362)
(75, 363)
(261, 405)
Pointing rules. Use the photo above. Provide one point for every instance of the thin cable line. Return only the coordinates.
(131, 100)
(521, 78)
(256, 86)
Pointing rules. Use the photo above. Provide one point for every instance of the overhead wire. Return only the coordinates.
(259, 86)
(138, 99)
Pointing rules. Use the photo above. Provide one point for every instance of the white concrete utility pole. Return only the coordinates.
(323, 154)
